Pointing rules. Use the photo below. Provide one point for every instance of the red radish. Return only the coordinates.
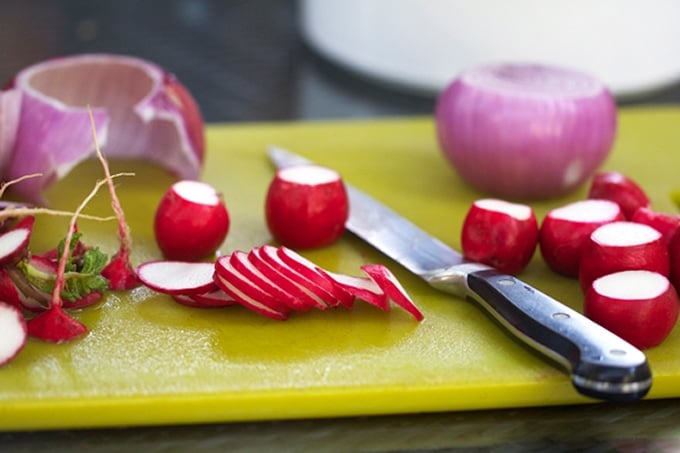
(640, 306)
(212, 299)
(311, 271)
(666, 224)
(620, 246)
(306, 206)
(191, 221)
(177, 277)
(55, 325)
(362, 288)
(565, 231)
(501, 234)
(384, 278)
(619, 188)
(674, 253)
(13, 332)
(245, 292)
(14, 243)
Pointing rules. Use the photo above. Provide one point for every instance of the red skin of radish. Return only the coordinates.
(212, 299)
(644, 322)
(55, 326)
(305, 215)
(13, 314)
(674, 253)
(120, 274)
(599, 259)
(619, 188)
(562, 239)
(498, 239)
(666, 224)
(190, 230)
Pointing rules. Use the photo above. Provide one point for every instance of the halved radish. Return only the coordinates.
(386, 280)
(306, 206)
(501, 234)
(13, 332)
(565, 231)
(640, 306)
(13, 243)
(360, 287)
(245, 292)
(620, 246)
(191, 221)
(311, 271)
(664, 223)
(614, 186)
(177, 277)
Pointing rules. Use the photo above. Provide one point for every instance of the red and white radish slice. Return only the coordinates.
(501, 234)
(239, 260)
(361, 288)
(177, 277)
(664, 223)
(619, 188)
(620, 246)
(13, 332)
(55, 325)
(306, 206)
(565, 231)
(311, 271)
(322, 299)
(392, 288)
(640, 306)
(213, 299)
(244, 292)
(191, 221)
(13, 243)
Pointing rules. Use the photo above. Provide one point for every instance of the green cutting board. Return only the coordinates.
(148, 360)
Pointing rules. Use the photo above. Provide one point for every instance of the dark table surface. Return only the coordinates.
(245, 61)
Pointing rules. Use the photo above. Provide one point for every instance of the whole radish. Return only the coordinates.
(501, 234)
(191, 221)
(619, 188)
(306, 206)
(565, 231)
(640, 306)
(664, 223)
(620, 246)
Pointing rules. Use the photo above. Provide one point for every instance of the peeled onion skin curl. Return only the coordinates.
(141, 112)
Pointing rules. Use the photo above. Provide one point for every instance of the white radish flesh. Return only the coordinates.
(177, 277)
(13, 332)
(13, 243)
(246, 294)
(362, 288)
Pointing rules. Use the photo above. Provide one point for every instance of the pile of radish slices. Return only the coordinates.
(272, 281)
(625, 255)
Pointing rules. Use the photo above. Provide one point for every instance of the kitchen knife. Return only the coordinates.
(601, 365)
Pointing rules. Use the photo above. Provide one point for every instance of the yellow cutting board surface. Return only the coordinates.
(148, 360)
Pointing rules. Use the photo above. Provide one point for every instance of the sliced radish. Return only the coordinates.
(191, 221)
(392, 288)
(501, 234)
(25, 298)
(362, 288)
(213, 299)
(244, 292)
(321, 297)
(13, 332)
(13, 243)
(619, 188)
(306, 206)
(640, 306)
(566, 229)
(55, 325)
(666, 224)
(620, 246)
(177, 277)
(311, 271)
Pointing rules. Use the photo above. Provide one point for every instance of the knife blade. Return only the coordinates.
(601, 364)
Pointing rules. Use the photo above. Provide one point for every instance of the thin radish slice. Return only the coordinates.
(246, 300)
(213, 299)
(13, 332)
(362, 288)
(386, 280)
(177, 277)
(322, 298)
(55, 325)
(285, 300)
(13, 244)
(311, 271)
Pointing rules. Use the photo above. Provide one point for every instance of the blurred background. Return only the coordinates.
(270, 60)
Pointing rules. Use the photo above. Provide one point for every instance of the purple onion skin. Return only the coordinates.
(523, 142)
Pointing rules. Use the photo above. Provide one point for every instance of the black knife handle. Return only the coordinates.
(601, 364)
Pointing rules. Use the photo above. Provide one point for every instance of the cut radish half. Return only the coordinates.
(362, 288)
(13, 332)
(565, 231)
(621, 246)
(177, 277)
(386, 280)
(640, 306)
(252, 297)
